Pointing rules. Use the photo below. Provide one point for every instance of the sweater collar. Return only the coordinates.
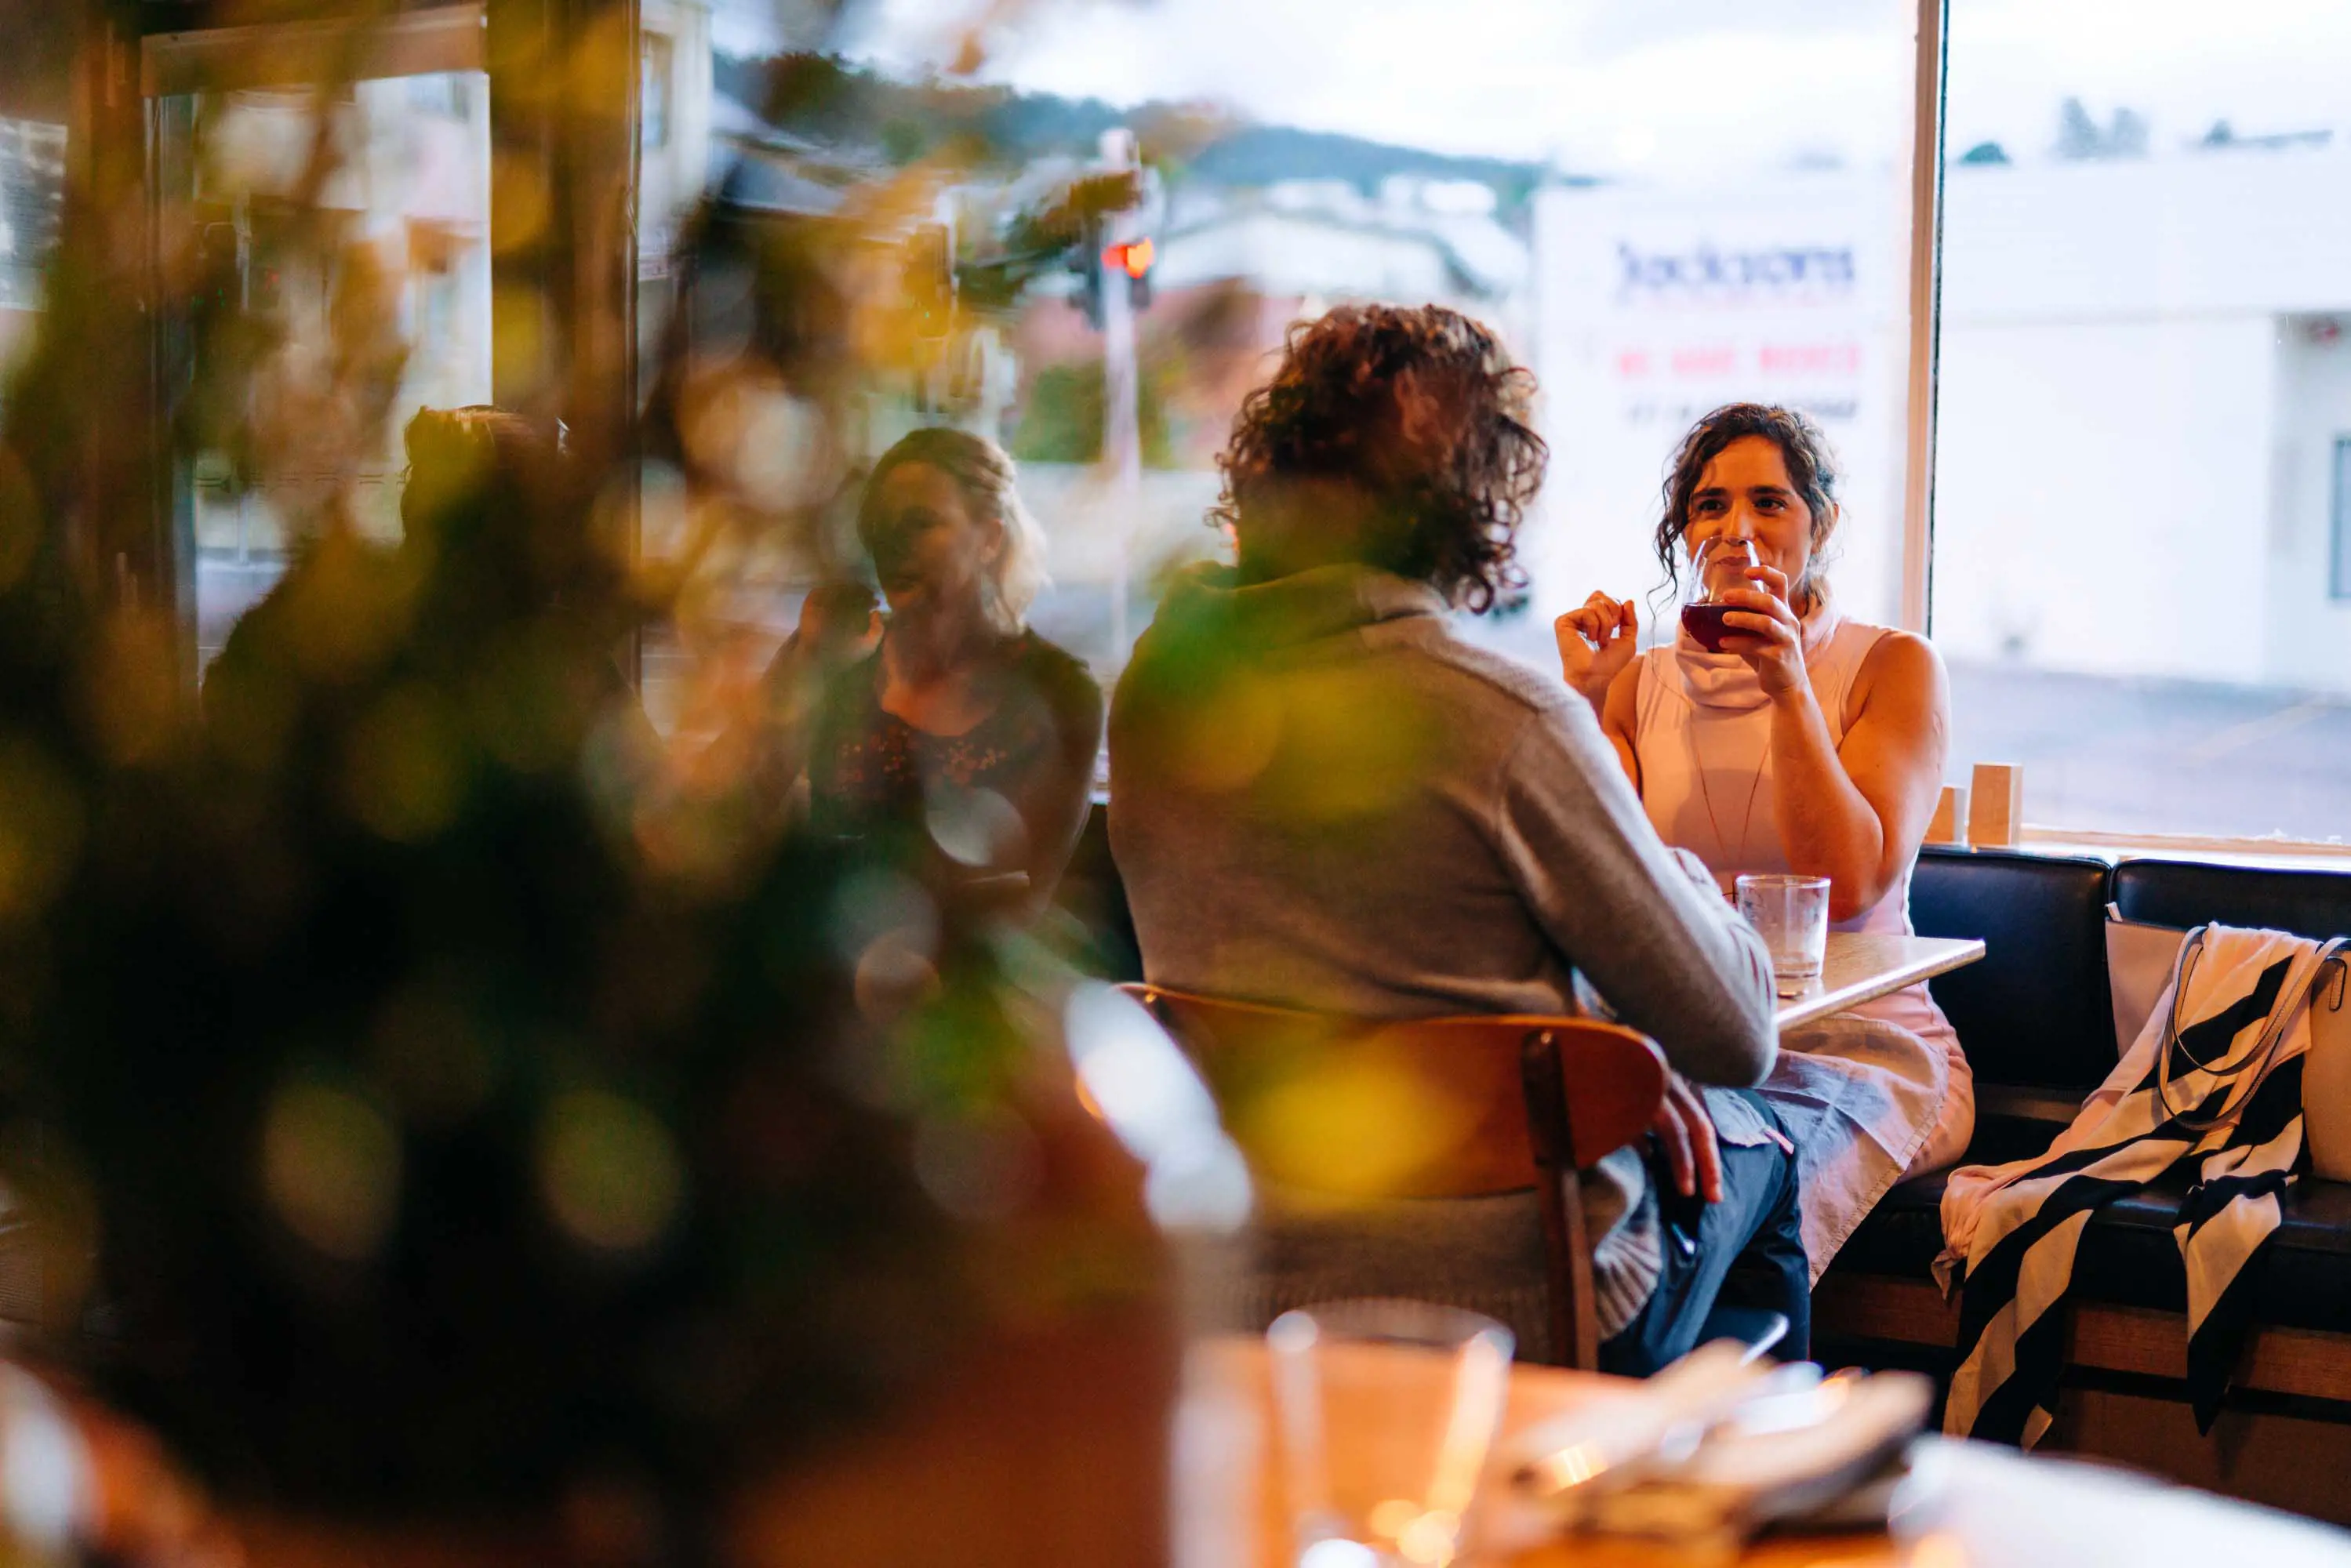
(1304, 607)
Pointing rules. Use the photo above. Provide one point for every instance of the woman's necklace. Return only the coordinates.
(1706, 795)
(1755, 785)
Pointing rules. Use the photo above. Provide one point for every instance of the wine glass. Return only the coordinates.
(1721, 566)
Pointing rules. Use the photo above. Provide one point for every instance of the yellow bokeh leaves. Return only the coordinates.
(350, 602)
(1352, 744)
(522, 701)
(1315, 744)
(609, 1170)
(405, 766)
(330, 1168)
(520, 203)
(41, 828)
(1349, 1123)
(131, 688)
(20, 520)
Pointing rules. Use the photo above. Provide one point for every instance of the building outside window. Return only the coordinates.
(32, 198)
(2147, 267)
(655, 70)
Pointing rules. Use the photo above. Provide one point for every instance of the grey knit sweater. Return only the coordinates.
(1321, 797)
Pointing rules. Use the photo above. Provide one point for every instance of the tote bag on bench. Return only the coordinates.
(2139, 960)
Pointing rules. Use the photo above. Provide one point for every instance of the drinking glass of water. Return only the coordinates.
(1792, 914)
(1386, 1410)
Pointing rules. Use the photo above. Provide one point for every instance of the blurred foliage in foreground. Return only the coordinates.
(433, 1088)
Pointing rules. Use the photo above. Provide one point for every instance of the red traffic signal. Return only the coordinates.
(1132, 258)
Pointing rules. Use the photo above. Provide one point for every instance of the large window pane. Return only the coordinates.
(354, 310)
(1660, 206)
(32, 200)
(675, 155)
(36, 103)
(1733, 226)
(2145, 381)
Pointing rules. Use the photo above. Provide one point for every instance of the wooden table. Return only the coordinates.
(1975, 1507)
(1859, 968)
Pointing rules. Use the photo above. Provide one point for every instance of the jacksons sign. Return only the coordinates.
(1793, 274)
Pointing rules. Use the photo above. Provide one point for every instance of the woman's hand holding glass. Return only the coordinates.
(1596, 643)
(1762, 629)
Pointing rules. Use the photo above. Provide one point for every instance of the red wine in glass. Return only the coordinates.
(1722, 567)
(1704, 624)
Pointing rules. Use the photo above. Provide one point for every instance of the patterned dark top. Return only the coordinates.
(871, 773)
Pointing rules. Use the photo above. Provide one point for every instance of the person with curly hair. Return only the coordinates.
(1810, 742)
(1323, 796)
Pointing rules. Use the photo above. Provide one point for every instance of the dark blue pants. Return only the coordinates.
(1749, 1253)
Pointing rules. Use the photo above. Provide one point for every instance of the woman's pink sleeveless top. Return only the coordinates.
(1702, 735)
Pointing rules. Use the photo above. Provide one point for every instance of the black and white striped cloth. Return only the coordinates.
(2216, 1078)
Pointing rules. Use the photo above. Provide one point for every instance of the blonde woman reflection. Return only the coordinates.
(964, 737)
(1812, 743)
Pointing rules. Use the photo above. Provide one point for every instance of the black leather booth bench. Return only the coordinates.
(2036, 1020)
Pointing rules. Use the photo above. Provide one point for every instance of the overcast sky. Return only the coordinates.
(1632, 86)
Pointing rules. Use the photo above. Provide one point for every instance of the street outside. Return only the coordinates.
(2163, 756)
(2098, 753)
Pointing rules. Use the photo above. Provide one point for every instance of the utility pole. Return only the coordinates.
(1122, 454)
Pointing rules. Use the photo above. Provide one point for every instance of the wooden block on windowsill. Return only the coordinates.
(1996, 806)
(1950, 825)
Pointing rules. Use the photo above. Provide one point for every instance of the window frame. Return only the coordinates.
(1928, 85)
(576, 272)
(2338, 522)
(443, 39)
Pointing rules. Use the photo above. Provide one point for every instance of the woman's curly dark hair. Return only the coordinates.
(1812, 470)
(1422, 411)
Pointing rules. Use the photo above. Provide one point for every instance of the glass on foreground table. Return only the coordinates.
(1394, 1490)
(1975, 1506)
(1792, 914)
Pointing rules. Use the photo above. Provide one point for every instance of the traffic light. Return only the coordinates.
(1114, 247)
(1133, 258)
(1101, 263)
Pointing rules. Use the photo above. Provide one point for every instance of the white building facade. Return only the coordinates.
(2143, 380)
(1323, 241)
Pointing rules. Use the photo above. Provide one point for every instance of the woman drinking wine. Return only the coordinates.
(1804, 742)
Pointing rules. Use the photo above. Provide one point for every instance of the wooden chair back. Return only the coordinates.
(1444, 1107)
